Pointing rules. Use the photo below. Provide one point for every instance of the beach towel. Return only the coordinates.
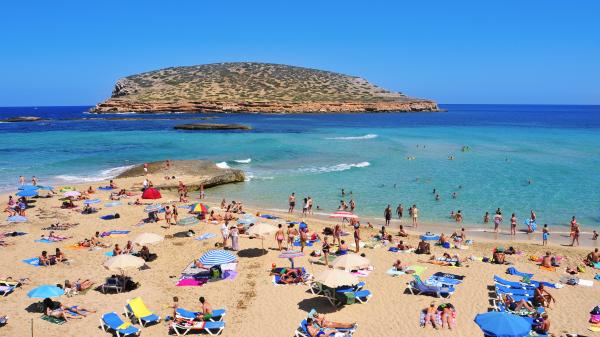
(230, 274)
(53, 320)
(107, 217)
(190, 282)
(113, 204)
(361, 273)
(44, 241)
(206, 236)
(76, 247)
(269, 216)
(548, 268)
(586, 283)
(597, 265)
(448, 275)
(115, 233)
(514, 271)
(34, 261)
(418, 270)
(109, 253)
(393, 272)
(105, 188)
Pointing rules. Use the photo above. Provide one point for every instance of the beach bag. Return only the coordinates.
(581, 268)
(595, 311)
(215, 272)
(117, 216)
(446, 245)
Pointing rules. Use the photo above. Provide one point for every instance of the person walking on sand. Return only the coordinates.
(387, 214)
(310, 205)
(513, 224)
(303, 238)
(545, 235)
(292, 202)
(415, 216)
(574, 231)
(279, 236)
(399, 211)
(337, 234)
(145, 168)
(357, 236)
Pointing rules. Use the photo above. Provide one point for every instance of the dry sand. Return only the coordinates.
(255, 306)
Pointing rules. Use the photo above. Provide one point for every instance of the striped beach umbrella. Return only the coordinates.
(45, 291)
(217, 257)
(189, 221)
(291, 255)
(72, 194)
(153, 208)
(92, 201)
(198, 208)
(27, 193)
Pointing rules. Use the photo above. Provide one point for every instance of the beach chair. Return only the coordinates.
(512, 291)
(112, 321)
(112, 283)
(5, 290)
(417, 287)
(216, 316)
(511, 284)
(184, 327)
(302, 330)
(136, 308)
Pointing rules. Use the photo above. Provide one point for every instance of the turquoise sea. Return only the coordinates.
(522, 157)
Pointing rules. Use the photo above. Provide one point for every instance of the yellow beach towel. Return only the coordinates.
(548, 268)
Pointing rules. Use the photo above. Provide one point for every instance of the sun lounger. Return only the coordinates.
(112, 321)
(302, 330)
(5, 290)
(137, 309)
(184, 327)
(417, 287)
(512, 291)
(112, 283)
(216, 316)
(511, 284)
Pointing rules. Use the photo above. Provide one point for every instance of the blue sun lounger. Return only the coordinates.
(511, 284)
(216, 316)
(112, 321)
(512, 291)
(417, 287)
(212, 328)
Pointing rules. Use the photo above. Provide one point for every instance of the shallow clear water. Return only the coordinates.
(555, 148)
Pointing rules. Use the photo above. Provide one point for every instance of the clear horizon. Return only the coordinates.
(468, 52)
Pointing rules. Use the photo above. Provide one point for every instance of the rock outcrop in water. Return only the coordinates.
(204, 172)
(253, 87)
(211, 126)
(22, 119)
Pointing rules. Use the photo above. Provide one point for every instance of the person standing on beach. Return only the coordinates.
(292, 202)
(305, 207)
(224, 234)
(303, 238)
(337, 234)
(497, 222)
(513, 224)
(310, 205)
(545, 235)
(145, 168)
(234, 233)
(325, 249)
(279, 236)
(486, 217)
(168, 214)
(21, 180)
(399, 211)
(357, 235)
(175, 214)
(574, 231)
(415, 216)
(387, 214)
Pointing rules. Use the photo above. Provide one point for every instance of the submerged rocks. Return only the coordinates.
(211, 126)
(22, 119)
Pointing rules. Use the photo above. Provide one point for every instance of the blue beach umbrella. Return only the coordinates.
(27, 193)
(45, 291)
(16, 218)
(46, 188)
(92, 201)
(29, 187)
(217, 257)
(502, 324)
(429, 237)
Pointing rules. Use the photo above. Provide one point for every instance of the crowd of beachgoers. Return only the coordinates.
(146, 261)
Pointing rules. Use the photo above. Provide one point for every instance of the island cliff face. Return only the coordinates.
(253, 87)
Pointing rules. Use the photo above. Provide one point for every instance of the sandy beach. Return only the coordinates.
(254, 304)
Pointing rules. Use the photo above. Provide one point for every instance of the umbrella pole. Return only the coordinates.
(32, 327)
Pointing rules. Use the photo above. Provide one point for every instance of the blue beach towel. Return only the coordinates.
(206, 236)
(34, 261)
(107, 217)
(514, 271)
(269, 216)
(105, 188)
(44, 241)
(108, 253)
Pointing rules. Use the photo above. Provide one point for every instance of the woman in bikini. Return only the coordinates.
(279, 236)
(291, 235)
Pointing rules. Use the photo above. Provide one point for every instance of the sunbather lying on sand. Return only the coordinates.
(511, 304)
(321, 321)
(317, 332)
(58, 310)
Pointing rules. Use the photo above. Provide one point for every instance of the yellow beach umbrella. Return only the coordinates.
(334, 278)
(350, 261)
(123, 262)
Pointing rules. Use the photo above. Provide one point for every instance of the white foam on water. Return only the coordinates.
(243, 161)
(98, 176)
(367, 136)
(223, 165)
(334, 168)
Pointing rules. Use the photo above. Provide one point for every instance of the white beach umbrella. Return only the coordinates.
(335, 278)
(148, 239)
(72, 194)
(261, 229)
(343, 215)
(123, 262)
(350, 261)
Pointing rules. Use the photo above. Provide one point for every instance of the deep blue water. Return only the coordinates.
(556, 148)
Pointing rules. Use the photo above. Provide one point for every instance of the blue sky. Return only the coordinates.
(533, 51)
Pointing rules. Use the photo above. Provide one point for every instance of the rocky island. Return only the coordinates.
(253, 87)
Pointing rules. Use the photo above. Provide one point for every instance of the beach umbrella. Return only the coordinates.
(217, 257)
(92, 201)
(153, 208)
(334, 278)
(45, 291)
(291, 255)
(189, 221)
(123, 262)
(72, 194)
(502, 324)
(27, 193)
(350, 262)
(343, 215)
(148, 239)
(262, 229)
(198, 208)
(16, 218)
(46, 188)
(29, 187)
(429, 237)
(247, 220)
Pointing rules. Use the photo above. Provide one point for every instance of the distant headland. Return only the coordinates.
(256, 88)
